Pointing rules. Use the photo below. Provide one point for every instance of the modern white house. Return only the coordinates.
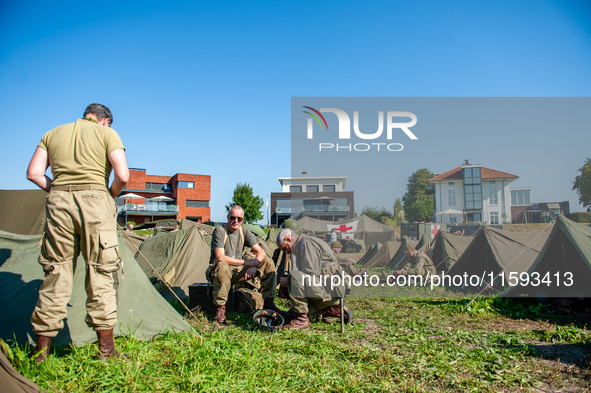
(320, 197)
(472, 193)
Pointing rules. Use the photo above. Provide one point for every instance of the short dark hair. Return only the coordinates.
(100, 111)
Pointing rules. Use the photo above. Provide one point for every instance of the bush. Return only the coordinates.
(581, 217)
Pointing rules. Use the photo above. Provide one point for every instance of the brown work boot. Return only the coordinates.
(335, 311)
(300, 321)
(43, 344)
(106, 344)
(220, 314)
(269, 304)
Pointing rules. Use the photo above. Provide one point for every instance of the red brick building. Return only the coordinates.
(158, 197)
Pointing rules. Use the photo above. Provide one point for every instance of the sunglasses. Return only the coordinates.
(239, 219)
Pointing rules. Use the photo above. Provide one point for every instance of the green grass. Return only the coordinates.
(394, 344)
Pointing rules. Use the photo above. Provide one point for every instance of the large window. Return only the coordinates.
(327, 188)
(311, 188)
(472, 188)
(197, 203)
(185, 184)
(157, 186)
(473, 196)
(471, 175)
(493, 196)
(288, 205)
(295, 188)
(451, 197)
(494, 217)
(520, 198)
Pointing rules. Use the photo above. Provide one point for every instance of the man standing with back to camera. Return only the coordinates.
(81, 218)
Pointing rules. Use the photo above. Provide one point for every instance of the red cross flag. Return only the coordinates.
(434, 230)
(346, 230)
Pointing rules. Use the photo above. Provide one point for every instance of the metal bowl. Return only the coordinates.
(268, 320)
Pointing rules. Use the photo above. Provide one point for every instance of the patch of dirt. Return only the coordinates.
(566, 356)
(370, 326)
(508, 325)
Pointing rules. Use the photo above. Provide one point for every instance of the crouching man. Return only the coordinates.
(418, 264)
(312, 259)
(228, 242)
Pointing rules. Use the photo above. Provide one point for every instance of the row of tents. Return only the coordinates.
(553, 264)
(181, 257)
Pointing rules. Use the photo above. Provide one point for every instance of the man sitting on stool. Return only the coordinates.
(228, 242)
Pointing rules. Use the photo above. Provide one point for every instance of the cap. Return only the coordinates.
(408, 248)
(336, 244)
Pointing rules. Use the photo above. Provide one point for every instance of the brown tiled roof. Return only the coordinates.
(486, 173)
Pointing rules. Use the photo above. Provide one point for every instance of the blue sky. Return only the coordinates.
(206, 87)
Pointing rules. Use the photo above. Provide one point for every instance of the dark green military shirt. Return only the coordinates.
(233, 245)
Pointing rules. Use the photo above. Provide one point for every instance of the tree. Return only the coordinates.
(418, 206)
(375, 213)
(244, 196)
(582, 184)
(397, 210)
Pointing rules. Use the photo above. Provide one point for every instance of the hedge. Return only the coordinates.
(581, 217)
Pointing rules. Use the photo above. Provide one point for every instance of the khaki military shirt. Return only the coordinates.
(419, 265)
(312, 256)
(344, 260)
(310, 253)
(78, 152)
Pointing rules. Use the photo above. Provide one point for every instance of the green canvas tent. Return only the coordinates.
(566, 255)
(447, 248)
(161, 251)
(494, 251)
(132, 241)
(272, 235)
(22, 211)
(256, 230)
(142, 312)
(384, 255)
(190, 265)
(371, 251)
(186, 224)
(179, 257)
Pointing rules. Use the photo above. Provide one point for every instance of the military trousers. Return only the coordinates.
(78, 222)
(222, 276)
(309, 305)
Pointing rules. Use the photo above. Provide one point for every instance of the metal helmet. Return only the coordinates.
(292, 224)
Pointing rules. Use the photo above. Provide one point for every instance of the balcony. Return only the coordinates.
(148, 208)
(312, 209)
